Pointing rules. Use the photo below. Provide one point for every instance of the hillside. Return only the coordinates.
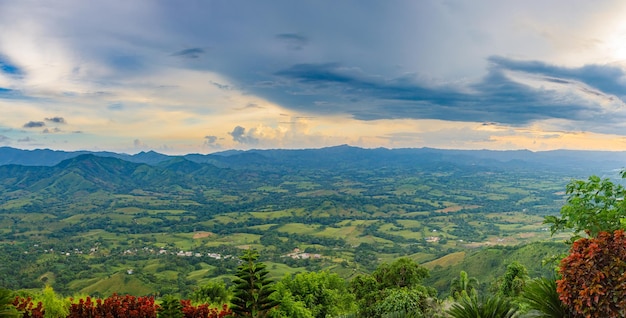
(89, 218)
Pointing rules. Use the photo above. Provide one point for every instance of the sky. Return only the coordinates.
(205, 76)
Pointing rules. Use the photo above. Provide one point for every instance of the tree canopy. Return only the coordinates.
(592, 206)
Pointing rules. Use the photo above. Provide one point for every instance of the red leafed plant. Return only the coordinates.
(203, 311)
(593, 279)
(115, 306)
(27, 309)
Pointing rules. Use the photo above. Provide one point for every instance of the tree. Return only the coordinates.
(592, 206)
(493, 307)
(593, 282)
(55, 305)
(512, 283)
(392, 288)
(211, 293)
(289, 306)
(403, 272)
(252, 287)
(403, 301)
(593, 279)
(170, 308)
(542, 298)
(323, 293)
(463, 286)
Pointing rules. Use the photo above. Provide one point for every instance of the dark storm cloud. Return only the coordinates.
(497, 97)
(56, 120)
(192, 53)
(34, 124)
(605, 78)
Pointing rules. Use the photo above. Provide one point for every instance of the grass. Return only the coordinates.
(120, 283)
(445, 261)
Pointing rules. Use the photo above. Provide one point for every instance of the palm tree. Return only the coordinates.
(493, 307)
(542, 298)
(463, 286)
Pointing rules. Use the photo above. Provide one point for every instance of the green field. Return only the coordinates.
(83, 230)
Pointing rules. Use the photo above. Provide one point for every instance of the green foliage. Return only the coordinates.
(323, 293)
(403, 300)
(592, 206)
(289, 306)
(7, 309)
(214, 293)
(593, 279)
(492, 307)
(488, 264)
(463, 286)
(543, 300)
(512, 283)
(393, 288)
(403, 272)
(170, 307)
(252, 287)
(54, 305)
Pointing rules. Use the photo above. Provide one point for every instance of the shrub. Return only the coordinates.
(593, 279)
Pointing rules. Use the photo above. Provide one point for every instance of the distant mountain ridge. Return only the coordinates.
(342, 156)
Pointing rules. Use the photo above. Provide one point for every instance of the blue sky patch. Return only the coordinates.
(9, 68)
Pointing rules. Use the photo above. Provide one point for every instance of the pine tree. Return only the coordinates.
(252, 288)
(170, 308)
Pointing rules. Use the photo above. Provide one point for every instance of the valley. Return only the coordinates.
(155, 224)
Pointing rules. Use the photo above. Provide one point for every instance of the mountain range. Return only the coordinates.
(343, 156)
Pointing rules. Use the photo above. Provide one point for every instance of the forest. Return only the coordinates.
(355, 236)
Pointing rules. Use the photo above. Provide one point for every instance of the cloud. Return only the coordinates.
(26, 139)
(609, 79)
(212, 142)
(139, 144)
(34, 124)
(499, 96)
(293, 41)
(240, 135)
(56, 120)
(192, 53)
(4, 138)
(51, 131)
(226, 65)
(221, 86)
